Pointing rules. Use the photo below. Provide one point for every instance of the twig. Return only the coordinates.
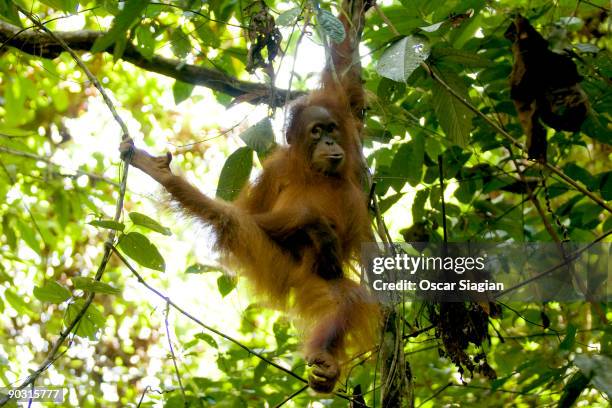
(435, 394)
(514, 141)
(297, 47)
(417, 333)
(199, 322)
(52, 355)
(173, 356)
(209, 328)
(289, 398)
(82, 65)
(47, 160)
(442, 201)
(566, 261)
(44, 46)
(384, 18)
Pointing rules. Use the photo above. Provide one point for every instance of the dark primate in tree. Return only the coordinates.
(544, 86)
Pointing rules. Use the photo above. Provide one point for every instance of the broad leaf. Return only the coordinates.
(199, 268)
(454, 117)
(140, 249)
(148, 222)
(91, 322)
(226, 284)
(29, 234)
(407, 163)
(465, 58)
(287, 18)
(599, 369)
(208, 339)
(235, 173)
(109, 224)
(92, 285)
(400, 60)
(130, 14)
(332, 27)
(259, 137)
(52, 292)
(181, 91)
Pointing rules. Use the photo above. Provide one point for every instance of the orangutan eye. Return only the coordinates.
(316, 131)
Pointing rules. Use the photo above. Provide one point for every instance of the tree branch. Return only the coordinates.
(93, 176)
(514, 141)
(41, 44)
(54, 354)
(199, 322)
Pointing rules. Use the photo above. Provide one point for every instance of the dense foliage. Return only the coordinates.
(172, 68)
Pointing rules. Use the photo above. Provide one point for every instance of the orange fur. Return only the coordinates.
(297, 221)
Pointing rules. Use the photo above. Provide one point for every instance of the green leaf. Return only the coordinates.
(260, 137)
(605, 185)
(8, 11)
(598, 368)
(146, 41)
(454, 117)
(91, 322)
(573, 389)
(69, 6)
(52, 292)
(148, 222)
(235, 173)
(9, 232)
(288, 17)
(569, 339)
(259, 371)
(418, 206)
(433, 27)
(571, 23)
(199, 268)
(226, 284)
(130, 14)
(140, 249)
(17, 302)
(331, 26)
(581, 174)
(109, 224)
(29, 235)
(407, 163)
(181, 45)
(465, 58)
(92, 285)
(400, 60)
(208, 339)
(181, 91)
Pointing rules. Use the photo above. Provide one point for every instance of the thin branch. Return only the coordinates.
(197, 13)
(575, 255)
(289, 398)
(47, 160)
(54, 353)
(442, 201)
(384, 18)
(34, 19)
(435, 394)
(514, 141)
(209, 328)
(417, 333)
(173, 356)
(199, 322)
(43, 45)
